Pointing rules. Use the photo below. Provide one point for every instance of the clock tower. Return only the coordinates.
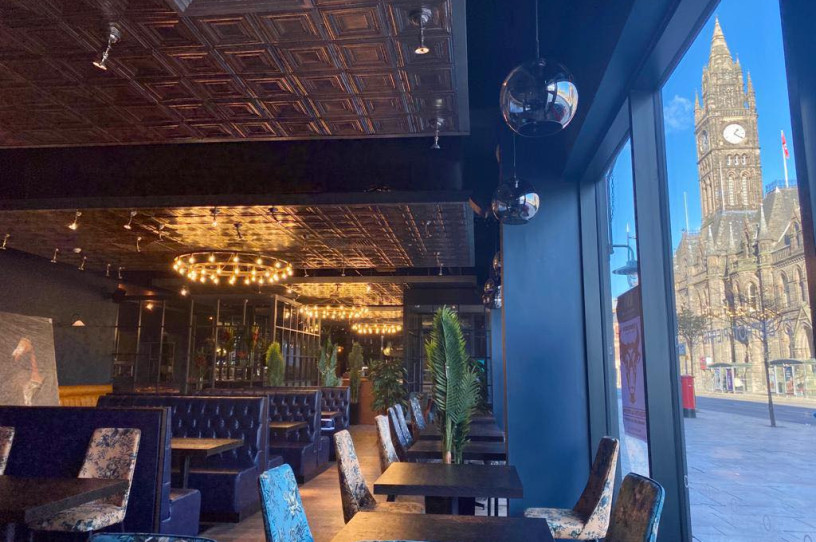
(728, 162)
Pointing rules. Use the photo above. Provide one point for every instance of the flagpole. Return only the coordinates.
(784, 158)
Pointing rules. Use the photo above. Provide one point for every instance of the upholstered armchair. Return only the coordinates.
(388, 454)
(636, 515)
(111, 455)
(589, 518)
(283, 515)
(145, 537)
(354, 493)
(399, 439)
(416, 411)
(6, 438)
(403, 424)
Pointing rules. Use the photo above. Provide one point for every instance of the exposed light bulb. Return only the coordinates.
(4, 246)
(138, 248)
(107, 270)
(119, 272)
(214, 213)
(149, 305)
(75, 224)
(184, 291)
(56, 254)
(82, 265)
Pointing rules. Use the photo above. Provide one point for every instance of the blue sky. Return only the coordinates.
(753, 32)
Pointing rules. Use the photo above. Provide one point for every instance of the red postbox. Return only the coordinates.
(689, 399)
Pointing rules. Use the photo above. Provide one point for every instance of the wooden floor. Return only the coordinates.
(321, 497)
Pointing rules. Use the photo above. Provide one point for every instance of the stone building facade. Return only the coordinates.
(748, 253)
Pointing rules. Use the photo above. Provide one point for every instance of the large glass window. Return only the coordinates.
(744, 329)
(626, 317)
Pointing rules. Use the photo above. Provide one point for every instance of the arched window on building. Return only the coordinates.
(744, 189)
(729, 159)
(786, 290)
(731, 195)
(797, 234)
(751, 296)
(744, 159)
(800, 279)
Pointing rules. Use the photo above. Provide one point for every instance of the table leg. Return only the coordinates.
(185, 471)
(455, 506)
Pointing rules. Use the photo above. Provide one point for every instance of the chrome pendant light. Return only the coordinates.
(515, 200)
(538, 98)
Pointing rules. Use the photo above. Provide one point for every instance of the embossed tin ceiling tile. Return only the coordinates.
(194, 61)
(252, 60)
(239, 110)
(374, 55)
(192, 8)
(229, 30)
(24, 94)
(163, 32)
(385, 106)
(255, 129)
(377, 83)
(303, 129)
(170, 90)
(132, 67)
(355, 22)
(56, 39)
(150, 114)
(214, 131)
(275, 88)
(431, 105)
(400, 17)
(310, 58)
(290, 27)
(289, 110)
(438, 80)
(439, 55)
(173, 131)
(336, 108)
(41, 71)
(124, 94)
(394, 125)
(331, 85)
(217, 87)
(104, 117)
(194, 112)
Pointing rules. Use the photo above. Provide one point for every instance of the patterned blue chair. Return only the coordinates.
(388, 454)
(354, 492)
(403, 424)
(283, 515)
(589, 518)
(145, 537)
(111, 455)
(416, 412)
(398, 437)
(636, 515)
(6, 438)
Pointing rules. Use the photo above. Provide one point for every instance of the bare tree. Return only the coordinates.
(690, 327)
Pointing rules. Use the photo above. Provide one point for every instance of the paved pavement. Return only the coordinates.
(749, 482)
(784, 413)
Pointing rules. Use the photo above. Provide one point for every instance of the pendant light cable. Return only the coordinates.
(538, 45)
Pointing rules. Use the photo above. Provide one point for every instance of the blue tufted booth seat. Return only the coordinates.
(337, 399)
(151, 507)
(228, 481)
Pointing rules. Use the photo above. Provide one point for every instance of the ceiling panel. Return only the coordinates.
(220, 70)
(378, 236)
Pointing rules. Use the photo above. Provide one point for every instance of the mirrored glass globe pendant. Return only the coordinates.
(538, 98)
(515, 200)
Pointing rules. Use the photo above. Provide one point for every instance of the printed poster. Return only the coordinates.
(630, 339)
(28, 365)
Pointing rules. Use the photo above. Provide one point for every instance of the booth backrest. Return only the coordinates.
(212, 417)
(51, 442)
(338, 398)
(84, 395)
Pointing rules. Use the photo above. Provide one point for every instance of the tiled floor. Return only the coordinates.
(321, 497)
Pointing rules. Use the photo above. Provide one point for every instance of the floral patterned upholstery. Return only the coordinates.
(416, 411)
(111, 455)
(637, 511)
(353, 490)
(385, 446)
(6, 437)
(589, 518)
(145, 537)
(283, 515)
(404, 425)
(399, 440)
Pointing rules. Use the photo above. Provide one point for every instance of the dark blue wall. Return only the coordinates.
(36, 287)
(497, 365)
(548, 430)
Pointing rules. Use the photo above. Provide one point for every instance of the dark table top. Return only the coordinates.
(440, 480)
(478, 432)
(25, 500)
(329, 413)
(442, 528)
(203, 447)
(474, 451)
(483, 418)
(287, 426)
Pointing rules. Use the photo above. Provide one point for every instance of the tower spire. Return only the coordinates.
(751, 94)
(719, 48)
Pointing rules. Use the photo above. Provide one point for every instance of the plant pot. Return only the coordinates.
(354, 413)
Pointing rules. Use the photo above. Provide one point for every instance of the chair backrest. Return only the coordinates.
(338, 398)
(416, 411)
(353, 490)
(385, 446)
(403, 424)
(283, 515)
(145, 537)
(6, 438)
(595, 502)
(112, 455)
(636, 514)
(397, 436)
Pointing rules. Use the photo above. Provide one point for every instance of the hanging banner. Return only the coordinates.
(633, 388)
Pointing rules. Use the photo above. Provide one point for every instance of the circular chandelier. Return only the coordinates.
(376, 329)
(231, 267)
(334, 312)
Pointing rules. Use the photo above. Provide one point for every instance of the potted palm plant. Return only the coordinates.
(355, 362)
(455, 383)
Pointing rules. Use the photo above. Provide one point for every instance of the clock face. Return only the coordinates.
(734, 134)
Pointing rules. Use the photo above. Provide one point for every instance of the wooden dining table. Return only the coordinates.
(474, 451)
(453, 482)
(187, 448)
(287, 427)
(480, 432)
(27, 500)
(439, 528)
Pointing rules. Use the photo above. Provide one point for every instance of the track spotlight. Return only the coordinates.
(420, 18)
(56, 254)
(107, 270)
(119, 272)
(5, 241)
(113, 37)
(138, 248)
(129, 225)
(75, 224)
(82, 265)
(214, 213)
(436, 124)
